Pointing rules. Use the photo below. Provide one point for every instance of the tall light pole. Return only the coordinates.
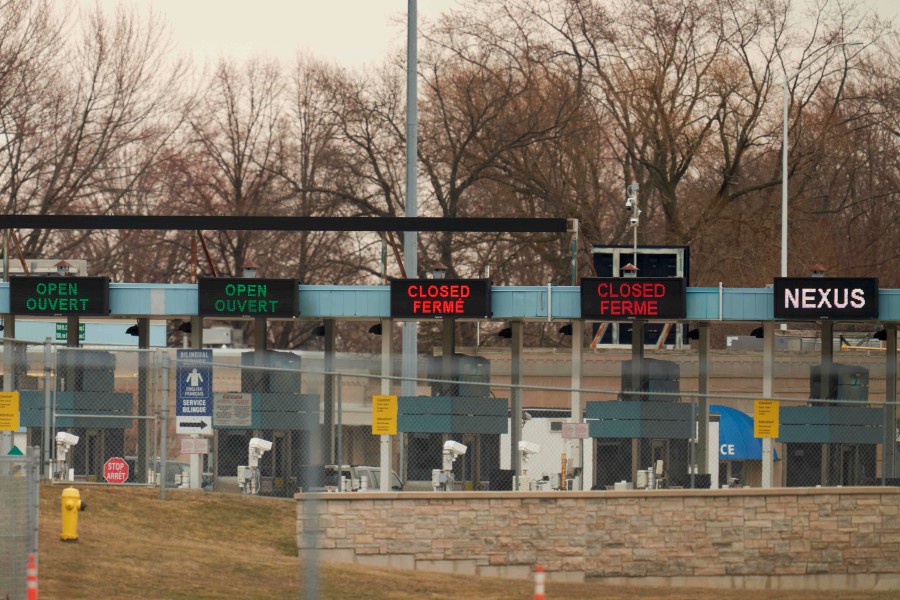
(408, 365)
(784, 154)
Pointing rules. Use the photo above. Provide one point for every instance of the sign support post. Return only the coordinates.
(765, 426)
(890, 402)
(768, 444)
(702, 454)
(576, 446)
(387, 331)
(515, 378)
(9, 324)
(825, 377)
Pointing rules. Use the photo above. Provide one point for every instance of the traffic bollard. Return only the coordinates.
(539, 583)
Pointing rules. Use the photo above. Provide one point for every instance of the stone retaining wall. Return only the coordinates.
(782, 538)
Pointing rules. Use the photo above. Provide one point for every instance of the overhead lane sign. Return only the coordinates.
(440, 298)
(70, 296)
(826, 298)
(622, 299)
(247, 297)
(194, 406)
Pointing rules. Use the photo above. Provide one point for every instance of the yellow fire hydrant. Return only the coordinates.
(71, 505)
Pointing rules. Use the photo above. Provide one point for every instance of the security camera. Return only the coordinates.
(452, 451)
(258, 447)
(66, 439)
(455, 448)
(629, 203)
(64, 442)
(260, 444)
(633, 220)
(529, 448)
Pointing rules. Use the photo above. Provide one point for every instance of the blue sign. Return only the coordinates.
(736, 441)
(194, 376)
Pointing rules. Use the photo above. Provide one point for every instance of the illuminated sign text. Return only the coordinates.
(437, 298)
(76, 296)
(613, 298)
(247, 297)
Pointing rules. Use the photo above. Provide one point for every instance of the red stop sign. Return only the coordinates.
(115, 470)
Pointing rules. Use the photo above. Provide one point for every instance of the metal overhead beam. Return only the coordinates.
(282, 223)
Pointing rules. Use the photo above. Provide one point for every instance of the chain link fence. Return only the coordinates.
(278, 422)
(104, 411)
(19, 481)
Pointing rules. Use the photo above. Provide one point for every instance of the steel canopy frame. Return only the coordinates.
(283, 223)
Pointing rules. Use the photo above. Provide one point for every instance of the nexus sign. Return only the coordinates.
(826, 298)
(439, 298)
(618, 299)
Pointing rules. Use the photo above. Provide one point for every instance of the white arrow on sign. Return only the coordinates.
(196, 425)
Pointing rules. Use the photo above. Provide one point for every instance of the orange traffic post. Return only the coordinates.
(539, 583)
(31, 580)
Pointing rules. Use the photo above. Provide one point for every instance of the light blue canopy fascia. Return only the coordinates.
(372, 302)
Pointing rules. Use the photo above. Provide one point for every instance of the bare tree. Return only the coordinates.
(87, 137)
(487, 99)
(232, 162)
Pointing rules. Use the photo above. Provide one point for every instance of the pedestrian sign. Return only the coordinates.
(194, 396)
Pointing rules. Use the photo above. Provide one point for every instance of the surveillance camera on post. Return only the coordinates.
(442, 480)
(526, 449)
(633, 220)
(64, 442)
(260, 446)
(65, 439)
(630, 203)
(454, 448)
(249, 483)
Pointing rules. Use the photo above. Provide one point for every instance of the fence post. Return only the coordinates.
(890, 404)
(164, 423)
(576, 447)
(515, 376)
(9, 374)
(703, 400)
(768, 446)
(33, 464)
(387, 332)
(693, 441)
(143, 325)
(48, 382)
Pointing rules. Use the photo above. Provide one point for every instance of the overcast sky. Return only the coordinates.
(351, 32)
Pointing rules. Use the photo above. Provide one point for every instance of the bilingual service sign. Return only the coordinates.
(194, 395)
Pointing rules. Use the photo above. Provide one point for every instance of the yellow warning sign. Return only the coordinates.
(384, 415)
(9, 411)
(765, 418)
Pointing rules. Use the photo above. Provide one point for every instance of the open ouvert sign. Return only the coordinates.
(74, 296)
(247, 297)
